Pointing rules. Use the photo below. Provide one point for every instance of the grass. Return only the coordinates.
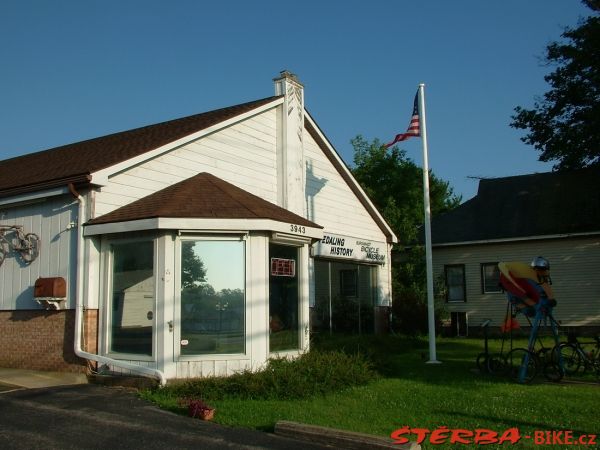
(411, 393)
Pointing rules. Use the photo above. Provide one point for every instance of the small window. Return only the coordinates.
(490, 278)
(455, 282)
(348, 283)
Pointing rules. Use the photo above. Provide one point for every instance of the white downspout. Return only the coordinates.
(79, 309)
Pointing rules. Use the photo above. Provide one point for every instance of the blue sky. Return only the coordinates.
(73, 70)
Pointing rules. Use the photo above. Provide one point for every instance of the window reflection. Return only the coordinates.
(283, 298)
(212, 297)
(132, 315)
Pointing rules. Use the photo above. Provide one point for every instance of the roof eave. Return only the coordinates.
(78, 180)
(516, 239)
(202, 225)
(100, 177)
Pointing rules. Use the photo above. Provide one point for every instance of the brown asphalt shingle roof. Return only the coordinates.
(539, 204)
(203, 196)
(74, 162)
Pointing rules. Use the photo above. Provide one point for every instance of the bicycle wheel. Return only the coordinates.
(32, 248)
(496, 364)
(522, 365)
(569, 357)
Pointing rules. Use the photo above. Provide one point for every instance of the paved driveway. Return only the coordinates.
(97, 417)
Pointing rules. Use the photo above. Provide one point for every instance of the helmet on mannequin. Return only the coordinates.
(540, 263)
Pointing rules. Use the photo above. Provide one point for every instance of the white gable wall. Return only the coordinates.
(330, 202)
(243, 154)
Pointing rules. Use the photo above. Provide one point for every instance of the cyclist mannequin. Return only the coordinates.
(527, 285)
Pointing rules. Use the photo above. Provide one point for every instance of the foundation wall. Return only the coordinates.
(43, 340)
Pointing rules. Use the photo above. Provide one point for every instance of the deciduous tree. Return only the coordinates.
(395, 185)
(564, 125)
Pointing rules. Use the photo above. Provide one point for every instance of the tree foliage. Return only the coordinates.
(394, 183)
(193, 272)
(564, 125)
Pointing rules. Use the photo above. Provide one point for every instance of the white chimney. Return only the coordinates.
(290, 147)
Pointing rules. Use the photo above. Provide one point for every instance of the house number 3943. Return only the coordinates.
(297, 229)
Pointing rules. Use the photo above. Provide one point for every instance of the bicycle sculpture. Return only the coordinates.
(529, 293)
(26, 244)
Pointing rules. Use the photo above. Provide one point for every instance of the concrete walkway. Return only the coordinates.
(31, 379)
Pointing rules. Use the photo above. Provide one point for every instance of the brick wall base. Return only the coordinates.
(43, 340)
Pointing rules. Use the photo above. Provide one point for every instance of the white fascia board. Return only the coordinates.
(517, 239)
(120, 227)
(100, 178)
(345, 168)
(34, 196)
(204, 225)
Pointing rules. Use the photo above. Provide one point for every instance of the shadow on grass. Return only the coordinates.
(400, 357)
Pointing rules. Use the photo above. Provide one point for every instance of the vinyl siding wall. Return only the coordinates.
(575, 272)
(49, 219)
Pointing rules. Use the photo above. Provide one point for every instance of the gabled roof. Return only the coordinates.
(537, 205)
(203, 196)
(75, 162)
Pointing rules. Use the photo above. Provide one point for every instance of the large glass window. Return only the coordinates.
(455, 282)
(133, 303)
(283, 298)
(345, 297)
(212, 297)
(490, 278)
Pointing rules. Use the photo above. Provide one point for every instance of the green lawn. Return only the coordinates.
(419, 395)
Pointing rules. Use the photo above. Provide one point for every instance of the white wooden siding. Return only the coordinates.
(50, 220)
(575, 272)
(330, 201)
(243, 154)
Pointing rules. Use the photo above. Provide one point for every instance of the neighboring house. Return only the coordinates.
(194, 247)
(555, 215)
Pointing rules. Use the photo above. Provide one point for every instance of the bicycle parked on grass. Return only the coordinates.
(577, 358)
(521, 364)
(27, 244)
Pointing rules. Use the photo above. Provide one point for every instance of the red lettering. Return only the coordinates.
(421, 434)
(484, 437)
(398, 435)
(538, 437)
(511, 435)
(591, 439)
(439, 435)
(460, 436)
(557, 438)
(569, 438)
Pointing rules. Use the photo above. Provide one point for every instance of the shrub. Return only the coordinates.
(313, 373)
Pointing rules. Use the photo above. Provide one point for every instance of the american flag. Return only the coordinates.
(414, 129)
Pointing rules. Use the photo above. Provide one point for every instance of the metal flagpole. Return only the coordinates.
(428, 256)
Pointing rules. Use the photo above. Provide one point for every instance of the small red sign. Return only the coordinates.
(283, 267)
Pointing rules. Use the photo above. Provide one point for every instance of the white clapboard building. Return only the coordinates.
(195, 247)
